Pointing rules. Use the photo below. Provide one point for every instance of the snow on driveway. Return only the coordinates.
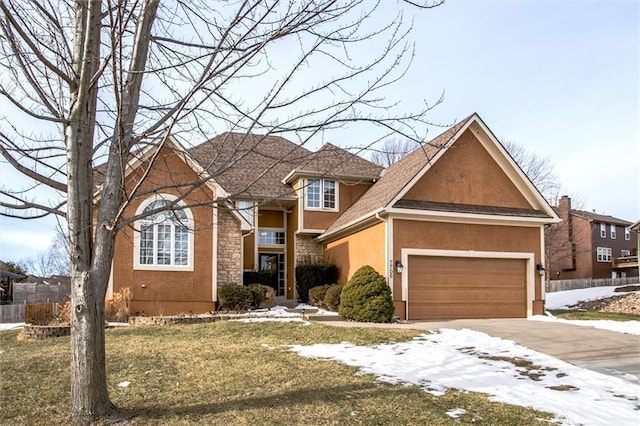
(508, 372)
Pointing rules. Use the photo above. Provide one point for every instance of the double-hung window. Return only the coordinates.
(163, 239)
(612, 227)
(627, 234)
(603, 254)
(321, 194)
(603, 230)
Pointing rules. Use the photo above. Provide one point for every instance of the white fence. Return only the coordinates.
(562, 285)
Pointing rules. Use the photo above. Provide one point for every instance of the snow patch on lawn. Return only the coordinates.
(473, 361)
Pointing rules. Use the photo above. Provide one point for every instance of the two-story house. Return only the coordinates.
(456, 227)
(590, 245)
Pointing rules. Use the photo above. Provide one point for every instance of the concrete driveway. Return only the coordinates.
(604, 351)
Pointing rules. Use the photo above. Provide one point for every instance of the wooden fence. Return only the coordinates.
(12, 313)
(39, 292)
(562, 285)
(35, 313)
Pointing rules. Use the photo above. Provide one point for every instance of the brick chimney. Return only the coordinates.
(564, 207)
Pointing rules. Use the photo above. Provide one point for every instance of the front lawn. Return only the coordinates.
(233, 373)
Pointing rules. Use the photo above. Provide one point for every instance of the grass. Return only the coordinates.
(593, 315)
(233, 373)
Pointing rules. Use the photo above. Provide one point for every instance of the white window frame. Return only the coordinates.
(612, 228)
(625, 253)
(246, 210)
(275, 231)
(603, 254)
(627, 234)
(188, 224)
(322, 203)
(603, 230)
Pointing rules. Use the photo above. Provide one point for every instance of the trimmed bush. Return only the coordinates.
(317, 295)
(235, 297)
(258, 294)
(332, 297)
(269, 278)
(313, 274)
(366, 297)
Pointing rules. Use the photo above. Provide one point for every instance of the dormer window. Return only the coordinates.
(321, 194)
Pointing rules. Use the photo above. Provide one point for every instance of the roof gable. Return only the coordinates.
(399, 178)
(395, 178)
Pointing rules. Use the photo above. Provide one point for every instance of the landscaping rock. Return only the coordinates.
(624, 304)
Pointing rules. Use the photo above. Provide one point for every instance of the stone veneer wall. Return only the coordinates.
(305, 247)
(41, 332)
(229, 249)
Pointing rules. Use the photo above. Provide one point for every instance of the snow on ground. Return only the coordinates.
(565, 299)
(626, 327)
(10, 326)
(473, 361)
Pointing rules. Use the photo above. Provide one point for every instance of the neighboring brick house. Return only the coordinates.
(590, 245)
(455, 227)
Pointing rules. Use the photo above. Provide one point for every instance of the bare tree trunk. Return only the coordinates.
(89, 396)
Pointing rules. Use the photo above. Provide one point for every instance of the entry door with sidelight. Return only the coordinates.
(274, 262)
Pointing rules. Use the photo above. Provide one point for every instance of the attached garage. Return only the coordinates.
(445, 285)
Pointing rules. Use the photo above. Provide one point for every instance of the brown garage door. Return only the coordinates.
(462, 287)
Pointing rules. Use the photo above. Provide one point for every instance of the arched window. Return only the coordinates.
(164, 239)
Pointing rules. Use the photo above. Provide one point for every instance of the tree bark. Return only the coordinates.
(89, 395)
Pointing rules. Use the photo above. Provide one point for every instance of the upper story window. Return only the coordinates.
(245, 208)
(627, 234)
(321, 194)
(603, 254)
(163, 240)
(271, 237)
(603, 230)
(612, 227)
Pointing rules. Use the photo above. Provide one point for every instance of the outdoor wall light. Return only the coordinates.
(540, 269)
(399, 267)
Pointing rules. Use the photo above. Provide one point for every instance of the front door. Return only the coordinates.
(274, 262)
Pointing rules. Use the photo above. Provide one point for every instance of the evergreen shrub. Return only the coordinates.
(366, 297)
(332, 297)
(311, 274)
(317, 295)
(234, 297)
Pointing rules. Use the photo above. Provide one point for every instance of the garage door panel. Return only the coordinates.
(459, 287)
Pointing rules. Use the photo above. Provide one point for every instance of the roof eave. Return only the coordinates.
(350, 226)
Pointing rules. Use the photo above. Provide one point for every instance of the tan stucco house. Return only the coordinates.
(455, 227)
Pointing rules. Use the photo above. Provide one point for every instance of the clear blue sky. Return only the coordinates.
(560, 78)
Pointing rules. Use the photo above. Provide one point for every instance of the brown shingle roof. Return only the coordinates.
(468, 208)
(331, 160)
(395, 178)
(600, 218)
(250, 165)
(254, 166)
